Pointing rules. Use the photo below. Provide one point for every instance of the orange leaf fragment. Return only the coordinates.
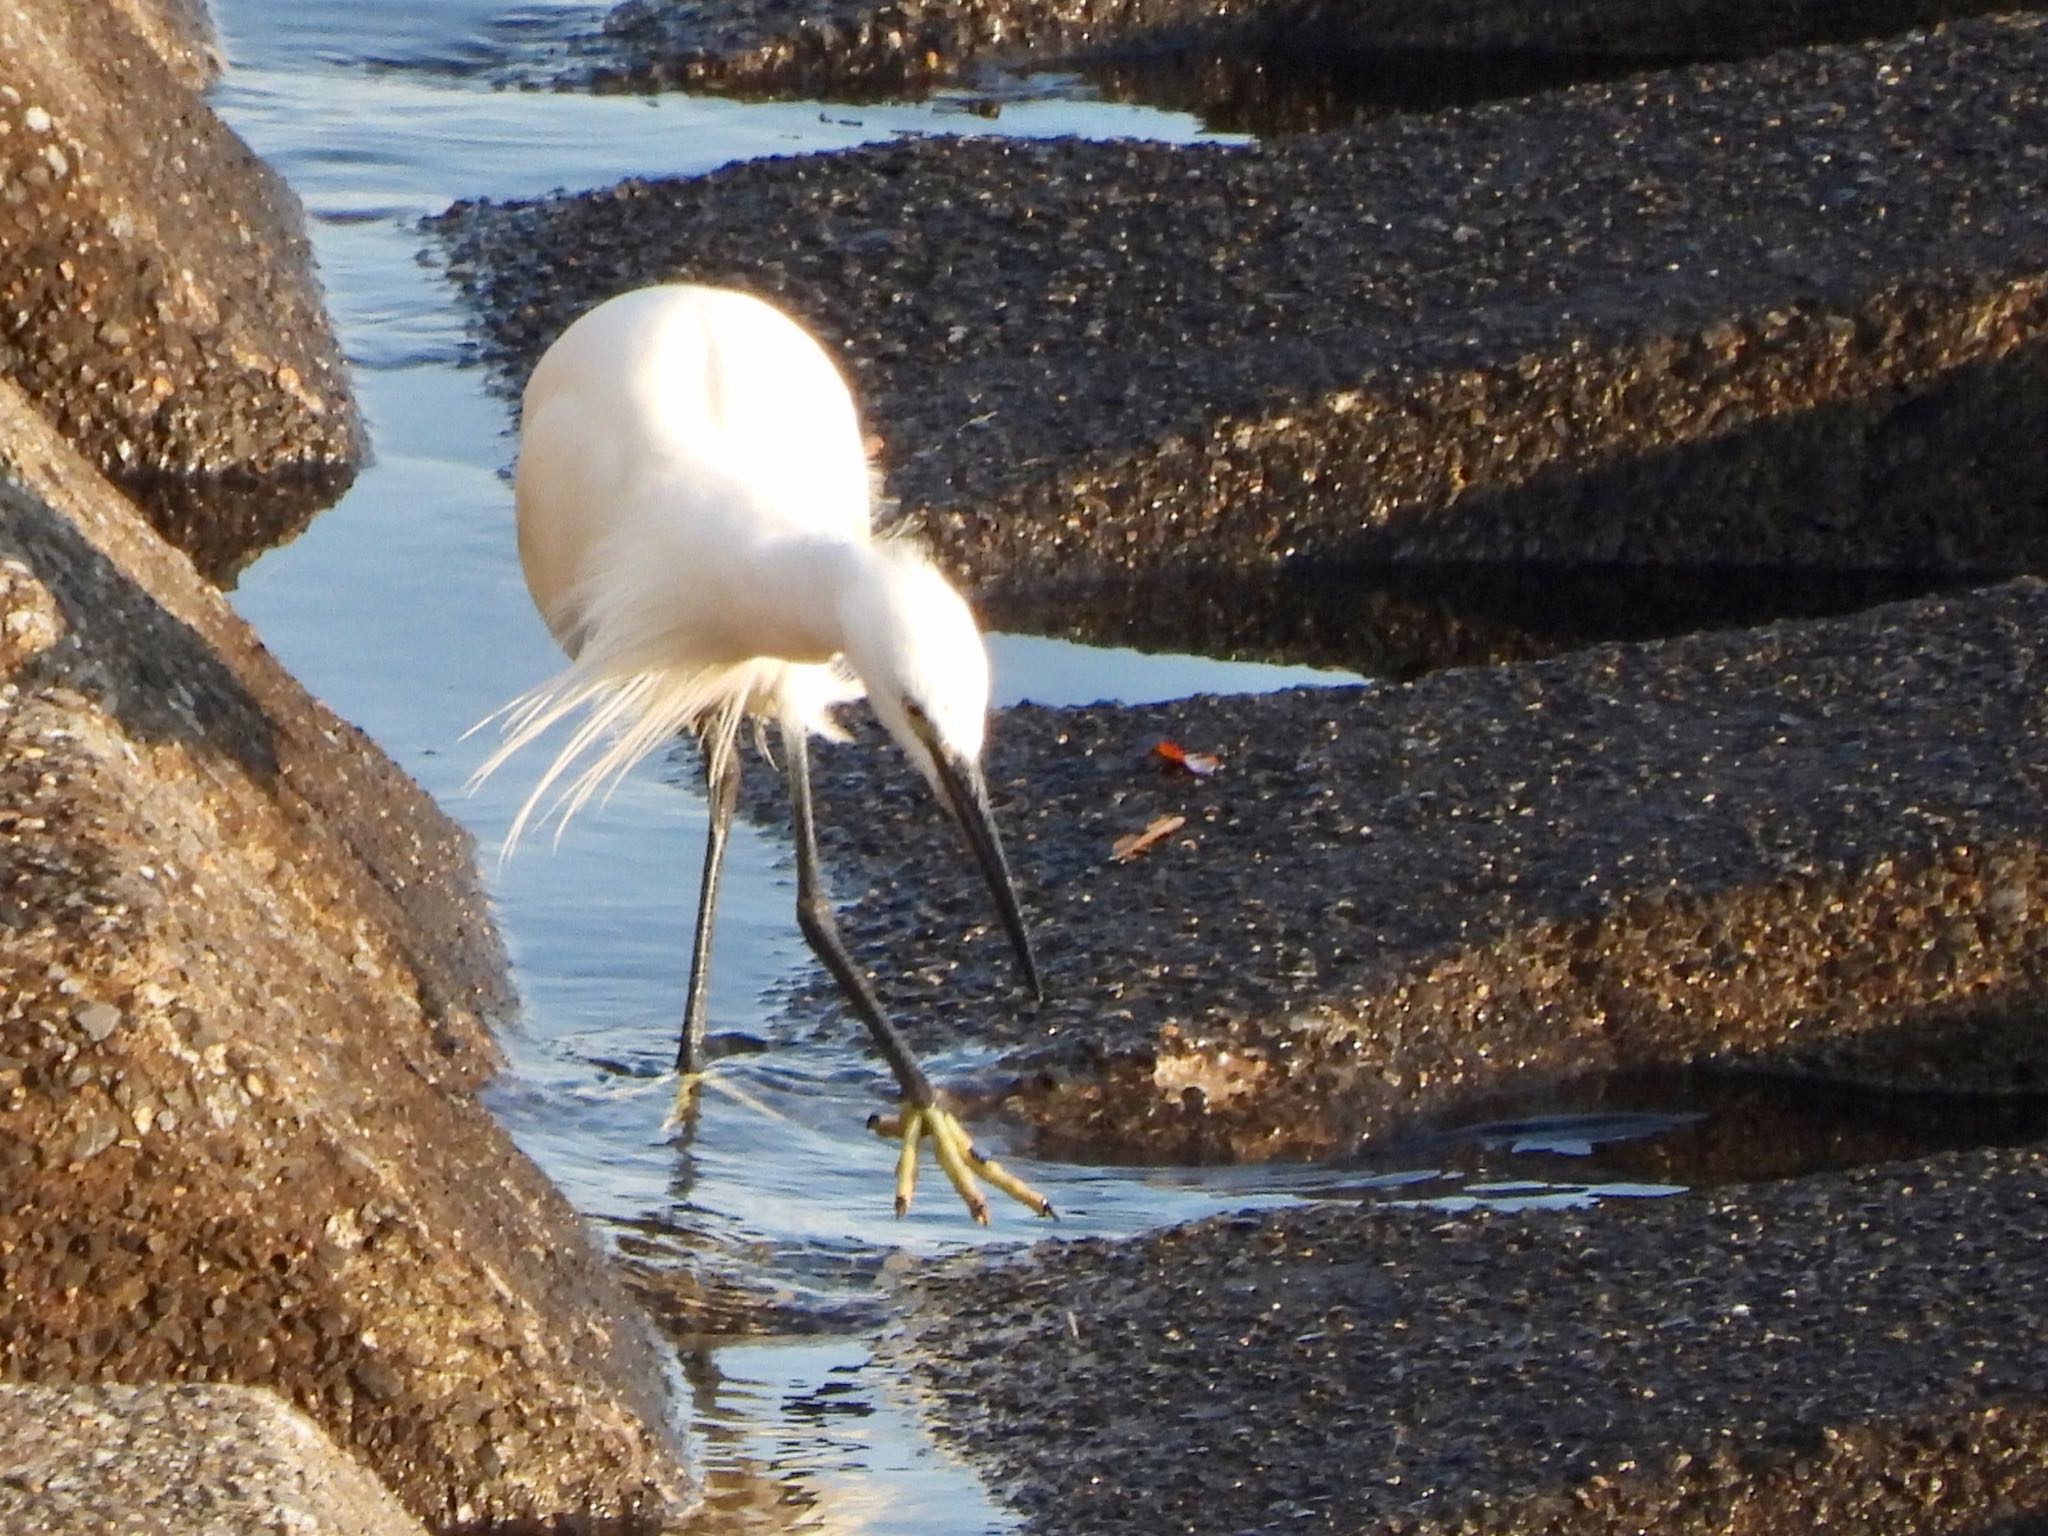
(1199, 764)
(1131, 844)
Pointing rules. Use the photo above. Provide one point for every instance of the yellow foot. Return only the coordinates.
(683, 1112)
(957, 1159)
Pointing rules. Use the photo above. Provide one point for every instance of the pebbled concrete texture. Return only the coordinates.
(1856, 1351)
(851, 48)
(157, 299)
(245, 974)
(1805, 846)
(1788, 312)
(181, 33)
(858, 48)
(174, 1460)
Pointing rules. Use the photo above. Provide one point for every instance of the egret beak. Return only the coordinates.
(965, 793)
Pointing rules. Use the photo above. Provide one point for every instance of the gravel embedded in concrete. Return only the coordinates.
(1786, 312)
(171, 1460)
(157, 297)
(1813, 846)
(181, 33)
(245, 973)
(840, 48)
(1627, 29)
(1852, 1352)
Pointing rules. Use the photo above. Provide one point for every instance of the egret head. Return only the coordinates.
(917, 649)
(916, 646)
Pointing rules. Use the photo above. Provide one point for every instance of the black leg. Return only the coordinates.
(814, 916)
(722, 780)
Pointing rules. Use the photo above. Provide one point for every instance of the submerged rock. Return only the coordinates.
(245, 970)
(1787, 313)
(157, 301)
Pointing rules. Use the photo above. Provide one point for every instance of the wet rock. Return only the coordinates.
(83, 1460)
(157, 301)
(860, 48)
(1788, 313)
(1813, 847)
(245, 971)
(1847, 1352)
(841, 48)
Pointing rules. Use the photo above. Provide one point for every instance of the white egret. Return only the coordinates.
(695, 508)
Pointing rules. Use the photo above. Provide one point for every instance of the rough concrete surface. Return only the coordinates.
(1788, 312)
(842, 48)
(176, 1461)
(863, 48)
(1812, 846)
(244, 974)
(181, 33)
(1850, 1352)
(157, 301)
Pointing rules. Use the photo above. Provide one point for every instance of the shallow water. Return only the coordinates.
(403, 608)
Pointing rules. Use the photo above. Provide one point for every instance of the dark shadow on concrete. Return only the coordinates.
(1893, 495)
(1269, 85)
(1260, 66)
(1715, 1126)
(2032, 1523)
(1318, 65)
(225, 522)
(1398, 621)
(145, 667)
(1915, 476)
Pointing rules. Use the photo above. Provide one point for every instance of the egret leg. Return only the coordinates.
(921, 1117)
(722, 782)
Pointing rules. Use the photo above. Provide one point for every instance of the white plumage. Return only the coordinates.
(684, 453)
(695, 506)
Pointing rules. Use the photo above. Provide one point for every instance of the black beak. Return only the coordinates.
(965, 792)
